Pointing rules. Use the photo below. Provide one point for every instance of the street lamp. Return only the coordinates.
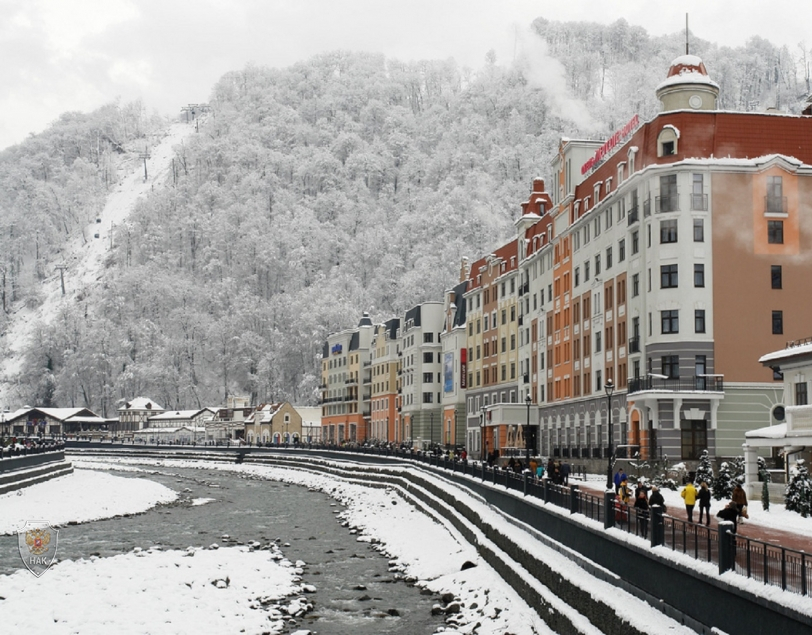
(609, 388)
(527, 401)
(482, 433)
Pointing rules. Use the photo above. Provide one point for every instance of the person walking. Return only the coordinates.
(704, 498)
(641, 505)
(619, 477)
(689, 494)
(623, 492)
(565, 473)
(740, 498)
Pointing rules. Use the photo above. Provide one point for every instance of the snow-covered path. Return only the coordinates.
(84, 255)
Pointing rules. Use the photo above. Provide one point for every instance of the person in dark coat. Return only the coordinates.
(740, 498)
(565, 473)
(641, 504)
(730, 513)
(656, 498)
(703, 497)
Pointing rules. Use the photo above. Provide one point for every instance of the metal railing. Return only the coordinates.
(684, 384)
(775, 204)
(768, 563)
(699, 202)
(667, 203)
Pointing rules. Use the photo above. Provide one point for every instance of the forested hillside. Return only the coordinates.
(346, 183)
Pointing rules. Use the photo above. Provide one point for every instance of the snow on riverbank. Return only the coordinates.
(430, 551)
(80, 497)
(195, 591)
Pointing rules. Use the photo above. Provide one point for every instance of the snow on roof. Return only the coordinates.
(141, 403)
(785, 353)
(770, 432)
(687, 60)
(176, 414)
(687, 77)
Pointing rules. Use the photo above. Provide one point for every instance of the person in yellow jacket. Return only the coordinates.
(689, 494)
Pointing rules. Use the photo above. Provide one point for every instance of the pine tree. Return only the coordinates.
(704, 471)
(798, 497)
(764, 476)
(723, 484)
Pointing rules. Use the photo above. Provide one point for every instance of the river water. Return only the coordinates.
(245, 509)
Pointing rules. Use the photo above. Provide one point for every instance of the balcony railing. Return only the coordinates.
(698, 383)
(634, 344)
(667, 203)
(634, 215)
(699, 202)
(775, 204)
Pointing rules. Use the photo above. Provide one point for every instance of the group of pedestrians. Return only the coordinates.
(735, 510)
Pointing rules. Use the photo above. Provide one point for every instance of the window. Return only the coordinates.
(801, 398)
(699, 201)
(428, 338)
(428, 378)
(597, 341)
(669, 321)
(775, 276)
(513, 313)
(504, 344)
(577, 276)
(513, 342)
(775, 232)
(621, 250)
(669, 365)
(429, 357)
(586, 271)
(635, 285)
(699, 230)
(608, 257)
(668, 231)
(597, 264)
(699, 275)
(428, 397)
(598, 381)
(668, 148)
(774, 203)
(778, 322)
(485, 325)
(668, 200)
(470, 329)
(699, 321)
(504, 316)
(669, 278)
(635, 242)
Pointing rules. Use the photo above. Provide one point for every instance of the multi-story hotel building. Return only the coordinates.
(454, 342)
(384, 365)
(345, 384)
(421, 366)
(679, 253)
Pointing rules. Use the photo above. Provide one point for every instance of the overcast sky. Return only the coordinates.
(60, 55)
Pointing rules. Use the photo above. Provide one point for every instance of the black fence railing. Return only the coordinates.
(680, 384)
(771, 564)
(667, 203)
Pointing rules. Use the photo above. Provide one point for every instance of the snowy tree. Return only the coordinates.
(704, 471)
(723, 483)
(765, 478)
(798, 496)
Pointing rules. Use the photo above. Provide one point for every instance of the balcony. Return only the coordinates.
(634, 215)
(666, 203)
(775, 204)
(699, 202)
(634, 345)
(647, 207)
(698, 383)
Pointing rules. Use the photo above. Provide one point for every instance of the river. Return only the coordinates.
(356, 592)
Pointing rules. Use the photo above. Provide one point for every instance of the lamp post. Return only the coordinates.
(482, 433)
(609, 388)
(527, 401)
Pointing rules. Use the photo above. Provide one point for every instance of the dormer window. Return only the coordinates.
(667, 141)
(596, 191)
(620, 167)
(608, 185)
